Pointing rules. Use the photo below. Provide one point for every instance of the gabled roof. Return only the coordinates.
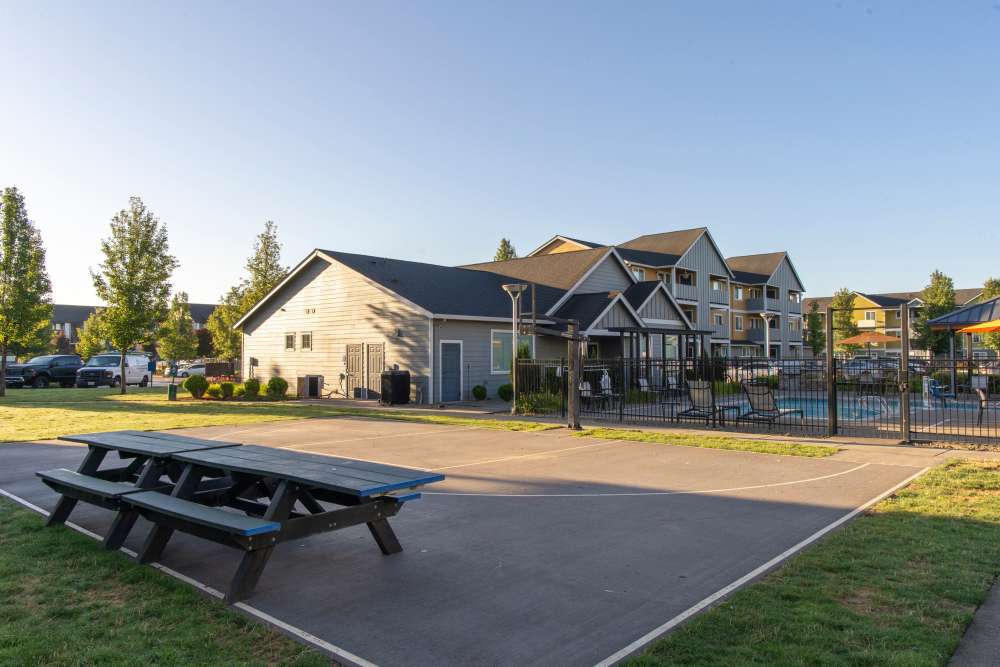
(561, 271)
(638, 293)
(584, 245)
(885, 300)
(648, 257)
(667, 243)
(585, 308)
(200, 312)
(62, 313)
(963, 297)
(758, 269)
(748, 278)
(963, 317)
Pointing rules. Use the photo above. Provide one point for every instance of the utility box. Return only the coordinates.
(395, 387)
(309, 386)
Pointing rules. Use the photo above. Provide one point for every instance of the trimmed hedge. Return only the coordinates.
(228, 388)
(214, 391)
(505, 392)
(196, 385)
(277, 387)
(251, 388)
(479, 392)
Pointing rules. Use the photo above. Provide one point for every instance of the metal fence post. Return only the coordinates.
(831, 376)
(904, 372)
(573, 379)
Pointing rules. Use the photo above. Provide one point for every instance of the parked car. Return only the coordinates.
(14, 369)
(105, 370)
(59, 369)
(193, 369)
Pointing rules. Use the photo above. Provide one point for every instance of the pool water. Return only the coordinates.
(862, 407)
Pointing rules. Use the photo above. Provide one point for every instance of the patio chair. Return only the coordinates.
(657, 394)
(763, 407)
(607, 394)
(939, 392)
(702, 398)
(586, 394)
(985, 402)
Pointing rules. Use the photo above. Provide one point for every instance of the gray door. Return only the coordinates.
(451, 372)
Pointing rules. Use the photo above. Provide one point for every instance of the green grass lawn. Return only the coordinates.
(712, 442)
(896, 587)
(66, 601)
(39, 414)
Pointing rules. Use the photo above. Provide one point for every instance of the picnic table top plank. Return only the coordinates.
(349, 476)
(137, 442)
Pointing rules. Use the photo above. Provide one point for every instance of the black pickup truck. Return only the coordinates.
(46, 370)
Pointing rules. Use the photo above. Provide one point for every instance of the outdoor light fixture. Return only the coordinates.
(515, 290)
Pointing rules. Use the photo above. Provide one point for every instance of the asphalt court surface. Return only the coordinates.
(539, 548)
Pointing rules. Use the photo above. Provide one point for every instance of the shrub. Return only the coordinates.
(214, 391)
(726, 388)
(196, 385)
(505, 392)
(277, 387)
(479, 392)
(227, 389)
(239, 390)
(538, 403)
(251, 388)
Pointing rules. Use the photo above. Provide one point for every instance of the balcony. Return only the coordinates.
(794, 336)
(795, 306)
(719, 296)
(720, 330)
(757, 335)
(755, 304)
(686, 292)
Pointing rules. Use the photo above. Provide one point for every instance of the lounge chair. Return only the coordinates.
(985, 402)
(703, 405)
(939, 392)
(763, 407)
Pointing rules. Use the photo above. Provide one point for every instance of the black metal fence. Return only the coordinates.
(864, 397)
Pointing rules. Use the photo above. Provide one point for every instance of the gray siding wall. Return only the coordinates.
(476, 342)
(784, 279)
(609, 275)
(703, 259)
(618, 316)
(659, 308)
(338, 307)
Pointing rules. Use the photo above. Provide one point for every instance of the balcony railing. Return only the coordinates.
(720, 330)
(755, 304)
(718, 296)
(795, 306)
(757, 335)
(686, 292)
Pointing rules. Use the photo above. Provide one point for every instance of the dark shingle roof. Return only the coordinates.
(963, 317)
(585, 307)
(637, 294)
(200, 312)
(885, 300)
(894, 299)
(74, 314)
(748, 278)
(561, 270)
(647, 257)
(445, 290)
(667, 243)
(589, 244)
(764, 264)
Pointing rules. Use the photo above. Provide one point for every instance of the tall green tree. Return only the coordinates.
(177, 339)
(844, 323)
(939, 299)
(815, 336)
(226, 340)
(264, 272)
(991, 290)
(92, 338)
(134, 278)
(25, 288)
(505, 251)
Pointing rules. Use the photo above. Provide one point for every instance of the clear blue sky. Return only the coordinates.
(863, 137)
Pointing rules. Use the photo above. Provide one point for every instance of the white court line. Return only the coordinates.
(526, 456)
(343, 655)
(645, 493)
(650, 637)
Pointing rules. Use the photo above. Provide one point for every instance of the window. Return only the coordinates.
(718, 320)
(639, 273)
(500, 349)
(793, 297)
(718, 285)
(772, 292)
(976, 338)
(665, 277)
(307, 341)
(686, 278)
(289, 341)
(753, 293)
(738, 323)
(593, 350)
(691, 314)
(773, 323)
(756, 323)
(870, 315)
(738, 293)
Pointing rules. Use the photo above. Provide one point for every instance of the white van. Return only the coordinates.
(105, 370)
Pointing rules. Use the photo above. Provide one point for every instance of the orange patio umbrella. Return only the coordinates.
(868, 338)
(982, 327)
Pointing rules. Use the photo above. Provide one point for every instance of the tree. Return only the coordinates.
(134, 278)
(93, 338)
(815, 336)
(225, 339)
(264, 273)
(177, 339)
(505, 251)
(991, 290)
(939, 299)
(25, 288)
(844, 324)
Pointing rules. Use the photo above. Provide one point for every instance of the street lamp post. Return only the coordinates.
(515, 290)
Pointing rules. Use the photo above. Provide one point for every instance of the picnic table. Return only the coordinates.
(244, 496)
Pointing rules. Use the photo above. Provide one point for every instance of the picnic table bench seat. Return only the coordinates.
(94, 490)
(161, 508)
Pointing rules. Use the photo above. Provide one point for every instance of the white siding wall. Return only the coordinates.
(339, 307)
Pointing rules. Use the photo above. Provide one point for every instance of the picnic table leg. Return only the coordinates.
(253, 562)
(125, 518)
(157, 539)
(91, 462)
(384, 536)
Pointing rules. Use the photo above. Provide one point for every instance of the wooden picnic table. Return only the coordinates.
(276, 494)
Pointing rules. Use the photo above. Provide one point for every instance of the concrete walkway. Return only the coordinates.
(980, 646)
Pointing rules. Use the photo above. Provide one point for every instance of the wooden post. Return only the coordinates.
(572, 379)
(831, 376)
(904, 373)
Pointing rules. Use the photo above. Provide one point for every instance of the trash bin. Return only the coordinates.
(171, 392)
(395, 387)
